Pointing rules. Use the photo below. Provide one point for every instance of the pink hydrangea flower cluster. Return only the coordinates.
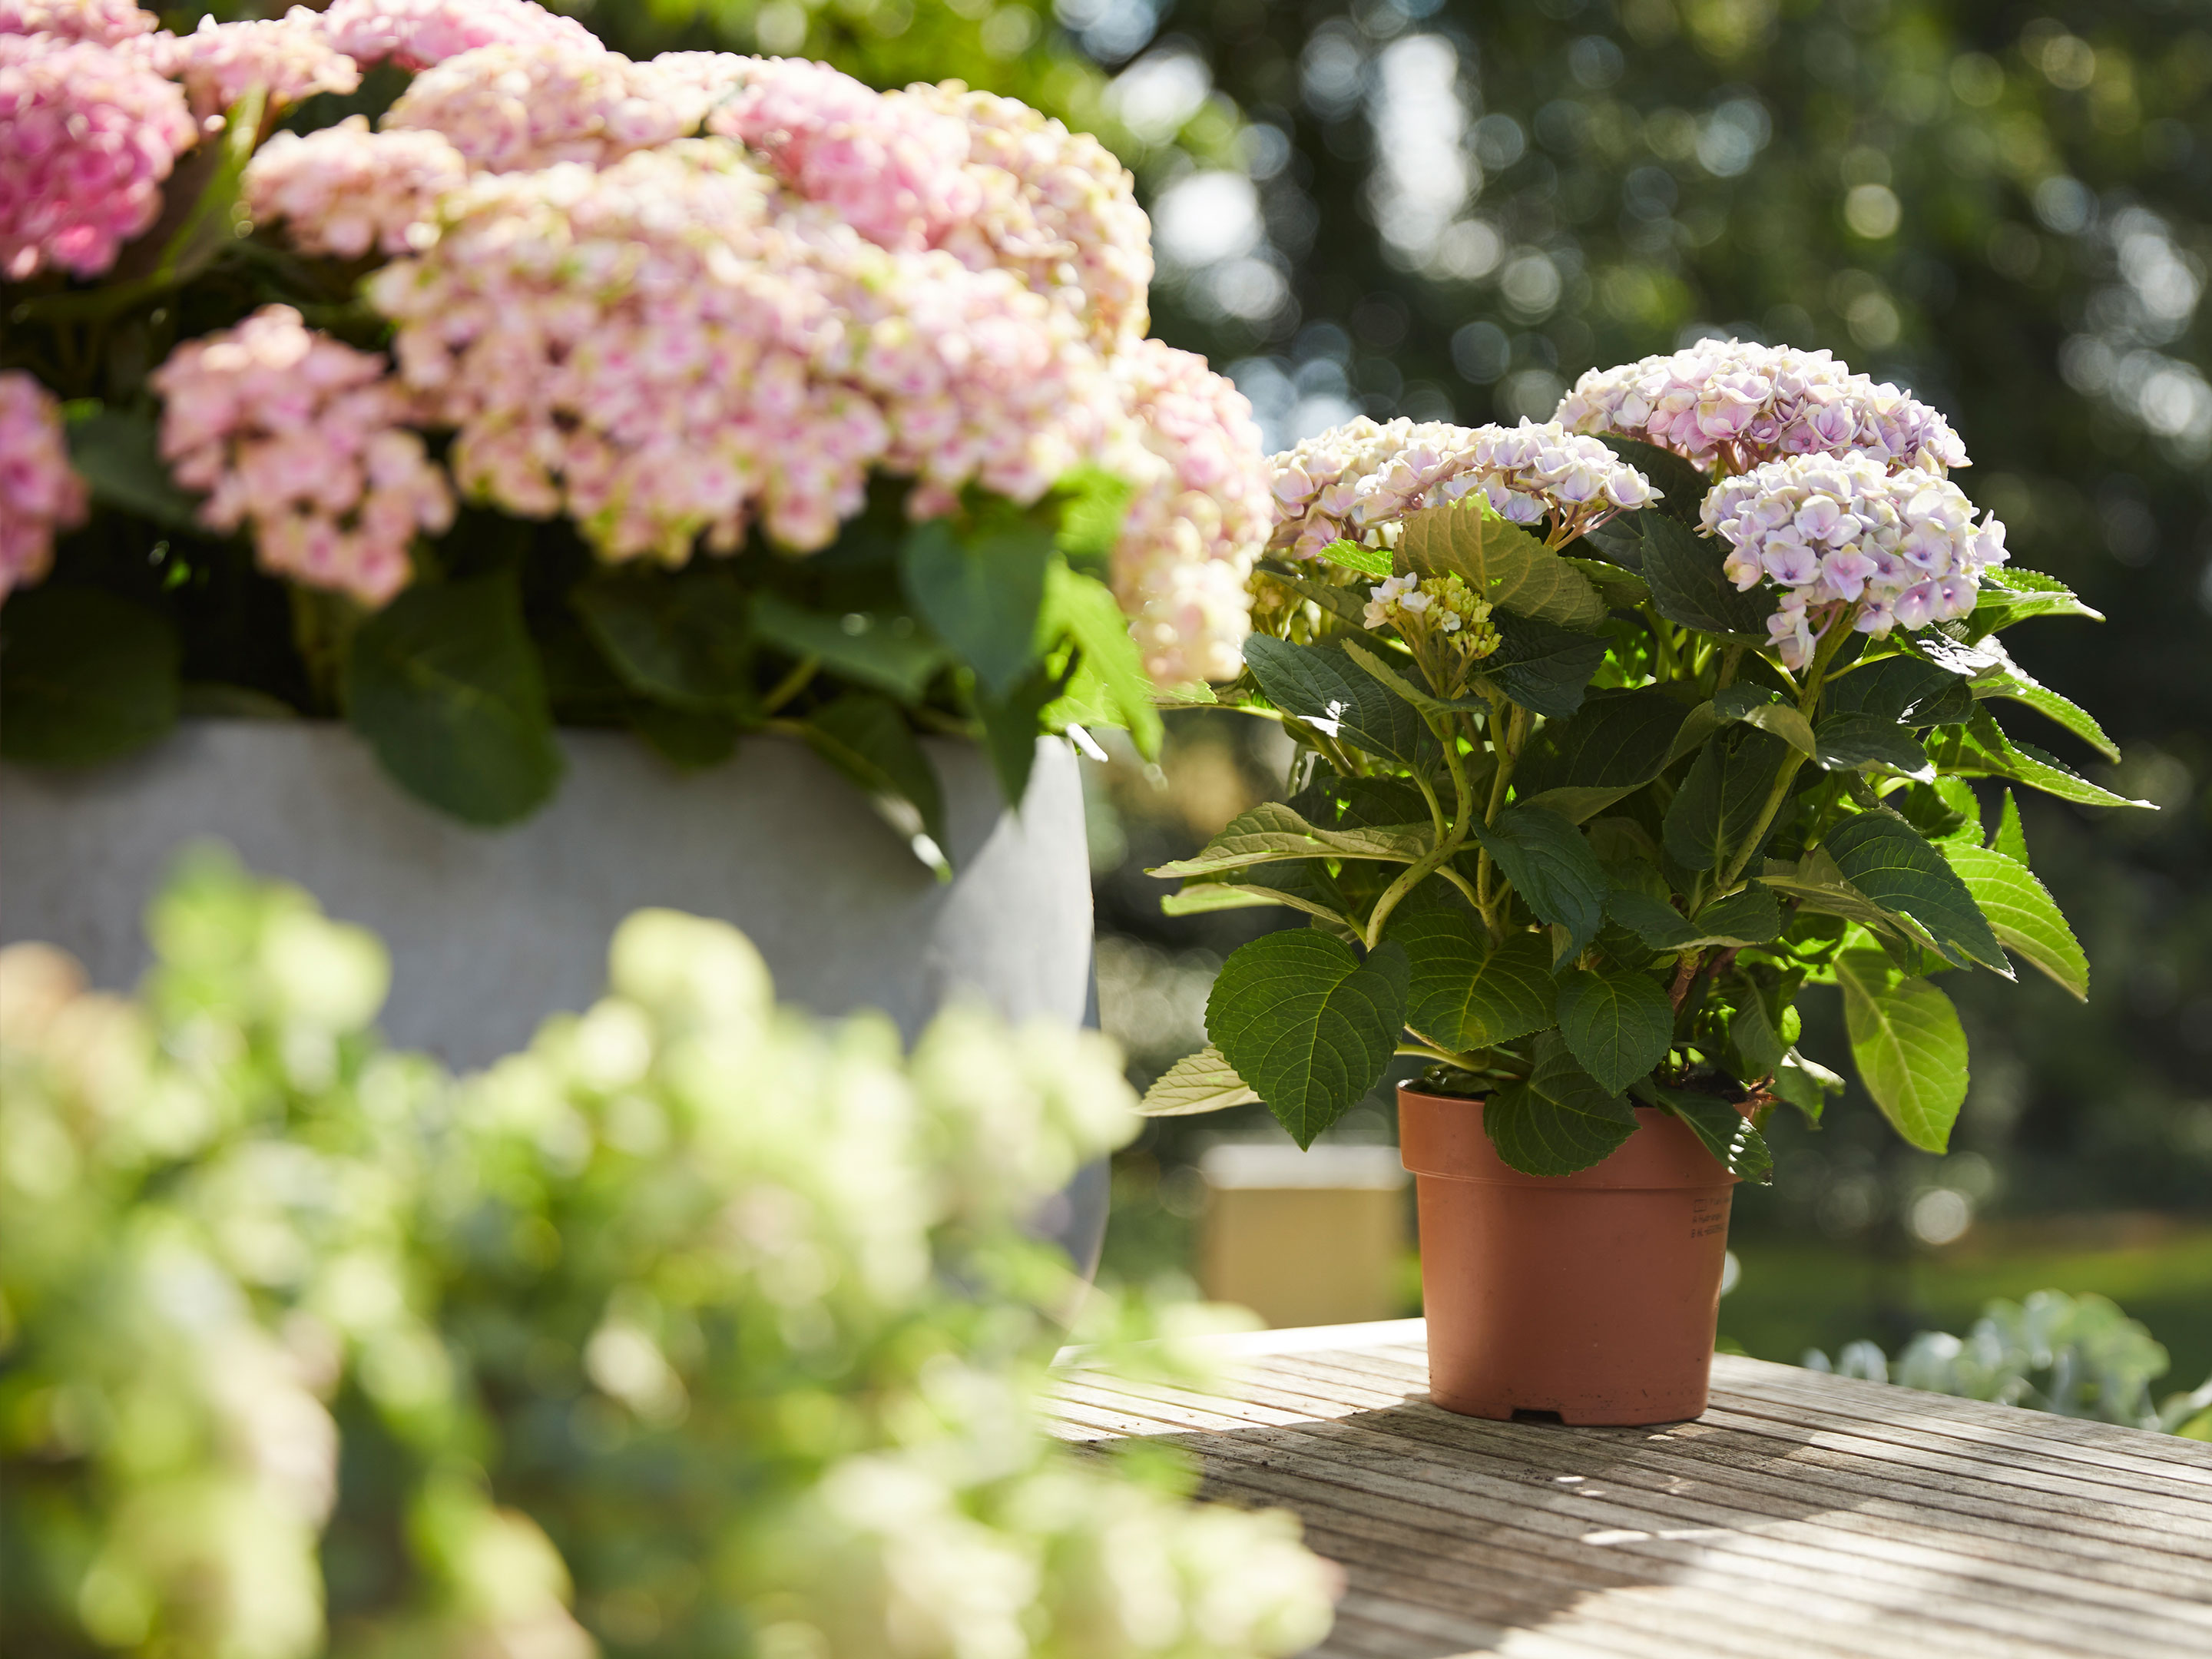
(987, 178)
(39, 492)
(658, 348)
(219, 62)
(512, 107)
(345, 189)
(304, 439)
(1200, 514)
(103, 22)
(1057, 207)
(1733, 404)
(1352, 480)
(980, 380)
(417, 34)
(894, 170)
(1837, 531)
(87, 134)
(667, 337)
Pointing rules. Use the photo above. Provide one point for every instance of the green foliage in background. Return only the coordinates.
(698, 1327)
(2078, 1356)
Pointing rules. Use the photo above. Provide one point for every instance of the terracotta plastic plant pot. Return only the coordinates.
(1591, 1297)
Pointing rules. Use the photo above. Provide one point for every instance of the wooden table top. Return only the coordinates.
(1802, 1516)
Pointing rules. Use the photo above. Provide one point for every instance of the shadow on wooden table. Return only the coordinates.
(1453, 1531)
(1802, 1515)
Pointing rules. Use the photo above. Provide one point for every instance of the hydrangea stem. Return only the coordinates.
(1509, 729)
(1809, 702)
(1449, 839)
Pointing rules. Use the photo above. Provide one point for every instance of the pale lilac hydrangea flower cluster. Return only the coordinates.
(345, 189)
(103, 22)
(417, 34)
(218, 63)
(39, 493)
(1350, 482)
(88, 133)
(1835, 532)
(305, 439)
(1733, 404)
(1201, 513)
(511, 108)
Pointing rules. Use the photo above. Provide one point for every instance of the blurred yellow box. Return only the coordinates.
(1314, 1238)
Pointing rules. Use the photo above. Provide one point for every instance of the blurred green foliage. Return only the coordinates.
(2074, 1355)
(699, 1327)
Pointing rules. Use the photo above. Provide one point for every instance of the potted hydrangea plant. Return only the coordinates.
(426, 369)
(1613, 735)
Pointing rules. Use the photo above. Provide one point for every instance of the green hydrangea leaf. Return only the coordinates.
(2011, 837)
(1728, 1134)
(1617, 1024)
(1720, 800)
(1617, 742)
(1559, 1120)
(1689, 587)
(1334, 696)
(1544, 669)
(1307, 1024)
(444, 684)
(85, 676)
(684, 638)
(1909, 1046)
(1979, 749)
(1893, 866)
(867, 738)
(884, 652)
(1272, 832)
(2022, 913)
(1501, 561)
(1203, 1082)
(1549, 865)
(980, 585)
(1462, 991)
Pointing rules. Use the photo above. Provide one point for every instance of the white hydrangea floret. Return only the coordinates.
(1734, 403)
(1351, 480)
(1829, 531)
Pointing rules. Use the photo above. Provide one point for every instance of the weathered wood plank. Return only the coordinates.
(1633, 1523)
(1985, 1584)
(1783, 1611)
(2086, 1528)
(1937, 1458)
(1665, 1449)
(1804, 1516)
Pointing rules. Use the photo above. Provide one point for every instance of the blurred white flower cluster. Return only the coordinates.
(1351, 480)
(736, 1306)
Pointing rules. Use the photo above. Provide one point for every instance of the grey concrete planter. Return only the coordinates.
(491, 931)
